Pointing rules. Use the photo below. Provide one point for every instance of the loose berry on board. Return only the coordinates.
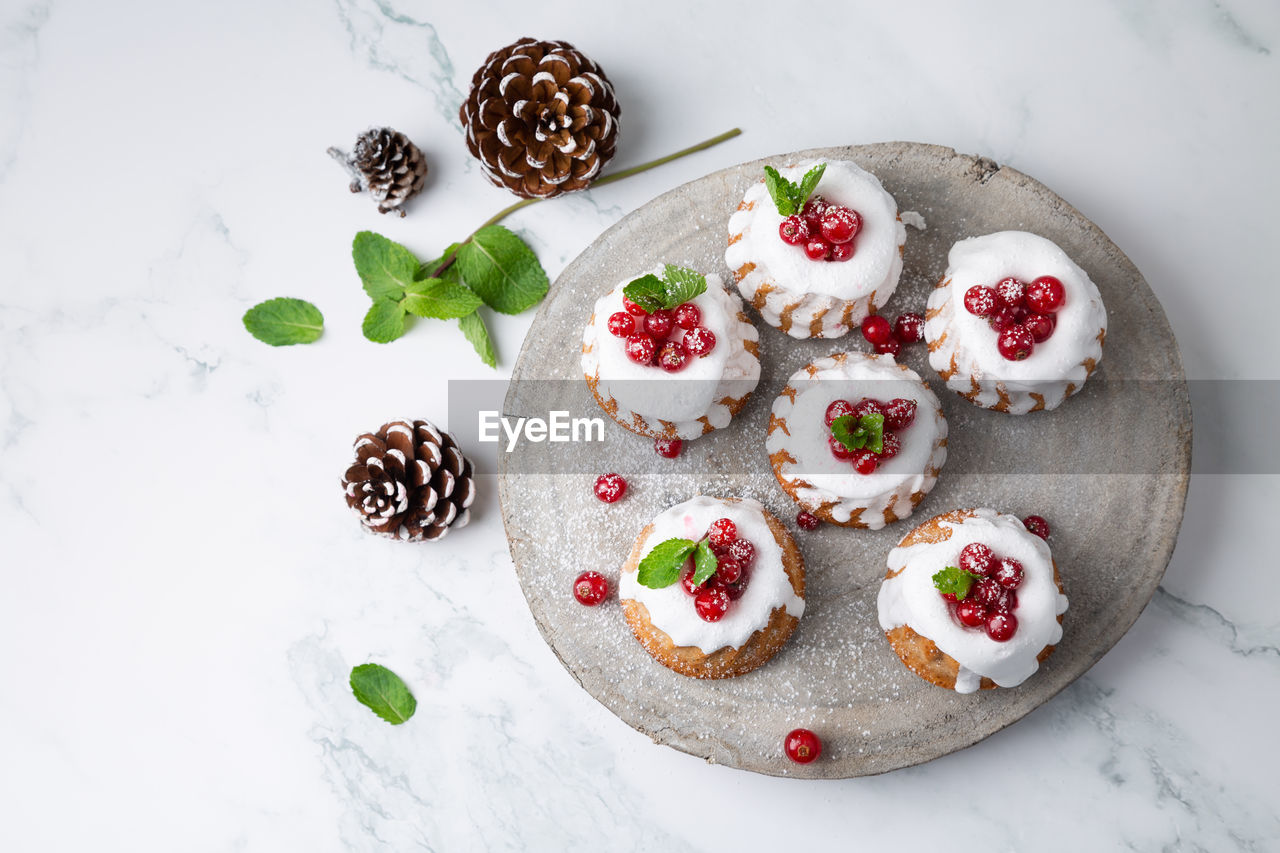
(621, 324)
(971, 613)
(687, 315)
(980, 300)
(610, 487)
(641, 349)
(1015, 343)
(672, 357)
(977, 558)
(711, 604)
(1037, 525)
(668, 448)
(659, 324)
(802, 746)
(841, 252)
(1008, 573)
(722, 532)
(1046, 294)
(890, 347)
(909, 328)
(633, 308)
(817, 250)
(699, 341)
(876, 329)
(742, 551)
(837, 409)
(806, 520)
(590, 588)
(840, 224)
(1011, 291)
(1040, 326)
(1001, 626)
(899, 413)
(794, 230)
(865, 462)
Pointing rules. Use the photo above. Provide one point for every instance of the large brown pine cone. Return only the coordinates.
(410, 481)
(541, 117)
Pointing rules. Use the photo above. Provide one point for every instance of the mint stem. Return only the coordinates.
(607, 179)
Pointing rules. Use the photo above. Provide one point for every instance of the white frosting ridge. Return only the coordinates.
(807, 298)
(962, 346)
(671, 609)
(797, 441)
(910, 598)
(701, 390)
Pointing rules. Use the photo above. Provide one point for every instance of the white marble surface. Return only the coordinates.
(184, 593)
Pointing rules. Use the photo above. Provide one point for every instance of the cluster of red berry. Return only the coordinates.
(1022, 315)
(993, 597)
(649, 334)
(825, 230)
(733, 568)
(890, 339)
(899, 413)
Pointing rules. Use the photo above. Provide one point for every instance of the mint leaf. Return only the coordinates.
(779, 191)
(661, 566)
(384, 322)
(438, 298)
(872, 426)
(383, 692)
(704, 563)
(384, 266)
(682, 285)
(859, 433)
(954, 580)
(284, 321)
(430, 268)
(648, 292)
(503, 270)
(473, 329)
(808, 184)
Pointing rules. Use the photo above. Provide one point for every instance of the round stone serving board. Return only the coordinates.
(1109, 469)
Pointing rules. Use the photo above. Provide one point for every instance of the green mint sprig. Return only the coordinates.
(283, 321)
(789, 198)
(954, 580)
(661, 567)
(866, 432)
(677, 286)
(383, 692)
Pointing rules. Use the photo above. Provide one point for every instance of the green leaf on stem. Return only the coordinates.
(503, 270)
(474, 330)
(384, 322)
(439, 299)
(385, 267)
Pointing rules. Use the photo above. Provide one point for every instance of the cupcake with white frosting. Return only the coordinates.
(972, 599)
(713, 587)
(670, 354)
(816, 247)
(857, 439)
(1014, 324)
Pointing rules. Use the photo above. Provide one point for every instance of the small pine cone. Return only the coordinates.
(541, 117)
(410, 481)
(388, 165)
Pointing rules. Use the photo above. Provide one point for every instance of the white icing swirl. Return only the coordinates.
(820, 478)
(671, 609)
(910, 598)
(800, 292)
(681, 398)
(965, 343)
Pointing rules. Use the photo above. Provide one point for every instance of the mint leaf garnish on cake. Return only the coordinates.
(858, 433)
(704, 563)
(677, 286)
(790, 197)
(383, 692)
(661, 566)
(954, 580)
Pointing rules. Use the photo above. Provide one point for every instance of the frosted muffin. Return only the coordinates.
(677, 361)
(776, 247)
(826, 470)
(972, 599)
(1014, 324)
(713, 587)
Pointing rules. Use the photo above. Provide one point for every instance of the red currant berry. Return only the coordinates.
(838, 450)
(977, 558)
(802, 746)
(1001, 626)
(806, 520)
(722, 532)
(841, 252)
(1008, 601)
(1037, 525)
(971, 613)
(1046, 294)
(687, 315)
(909, 328)
(668, 448)
(876, 329)
(641, 349)
(590, 588)
(817, 250)
(899, 413)
(840, 224)
(814, 209)
(742, 551)
(950, 597)
(868, 406)
(711, 604)
(1041, 326)
(980, 300)
(621, 324)
(1002, 318)
(633, 308)
(610, 487)
(671, 357)
(986, 592)
(735, 590)
(659, 324)
(1008, 573)
(1011, 291)
(686, 580)
(699, 341)
(728, 569)
(865, 462)
(890, 347)
(1015, 343)
(837, 409)
(890, 445)
(794, 230)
